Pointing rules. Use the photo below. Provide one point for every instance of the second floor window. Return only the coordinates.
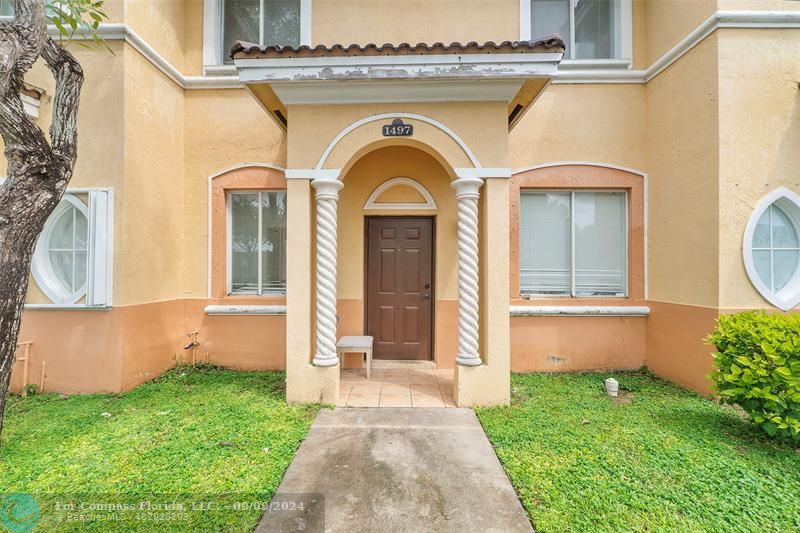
(591, 29)
(266, 22)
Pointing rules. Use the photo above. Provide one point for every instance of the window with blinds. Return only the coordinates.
(257, 242)
(573, 243)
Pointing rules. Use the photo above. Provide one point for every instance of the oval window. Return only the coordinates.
(60, 262)
(772, 248)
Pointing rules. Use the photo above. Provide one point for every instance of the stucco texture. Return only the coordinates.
(315, 126)
(759, 105)
(567, 122)
(385, 21)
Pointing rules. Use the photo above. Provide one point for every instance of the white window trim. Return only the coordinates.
(245, 310)
(624, 40)
(578, 310)
(572, 295)
(213, 62)
(229, 240)
(788, 297)
(42, 267)
(99, 278)
(373, 204)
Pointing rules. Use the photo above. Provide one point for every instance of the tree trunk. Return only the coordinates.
(38, 170)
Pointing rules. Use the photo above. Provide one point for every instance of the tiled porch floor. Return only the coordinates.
(397, 384)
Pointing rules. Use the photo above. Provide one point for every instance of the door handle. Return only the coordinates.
(426, 296)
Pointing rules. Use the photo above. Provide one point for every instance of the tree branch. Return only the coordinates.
(21, 41)
(69, 79)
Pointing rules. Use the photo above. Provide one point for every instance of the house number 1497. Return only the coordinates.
(398, 129)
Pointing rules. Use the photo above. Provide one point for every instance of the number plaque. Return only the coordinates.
(398, 128)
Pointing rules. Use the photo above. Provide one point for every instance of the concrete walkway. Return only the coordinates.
(395, 469)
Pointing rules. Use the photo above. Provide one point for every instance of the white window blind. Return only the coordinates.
(545, 253)
(573, 243)
(257, 242)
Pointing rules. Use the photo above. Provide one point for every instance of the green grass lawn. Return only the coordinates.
(660, 459)
(194, 435)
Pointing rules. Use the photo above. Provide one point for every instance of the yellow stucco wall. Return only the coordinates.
(781, 5)
(567, 121)
(759, 140)
(223, 128)
(162, 24)
(413, 21)
(683, 166)
(669, 21)
(149, 267)
(193, 37)
(313, 127)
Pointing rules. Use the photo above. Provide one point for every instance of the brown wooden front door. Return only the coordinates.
(399, 286)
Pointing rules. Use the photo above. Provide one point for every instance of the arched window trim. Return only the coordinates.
(373, 203)
(789, 202)
(42, 267)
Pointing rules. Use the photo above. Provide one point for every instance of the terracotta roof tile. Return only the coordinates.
(552, 43)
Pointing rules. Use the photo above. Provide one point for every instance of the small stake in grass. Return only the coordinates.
(612, 387)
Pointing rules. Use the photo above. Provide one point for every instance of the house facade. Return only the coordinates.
(506, 186)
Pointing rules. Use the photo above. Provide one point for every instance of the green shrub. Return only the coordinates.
(757, 366)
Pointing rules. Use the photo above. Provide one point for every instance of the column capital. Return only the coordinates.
(483, 172)
(327, 189)
(467, 187)
(312, 173)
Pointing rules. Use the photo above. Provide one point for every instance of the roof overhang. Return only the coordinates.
(508, 73)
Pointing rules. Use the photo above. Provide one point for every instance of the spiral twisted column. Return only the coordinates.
(467, 194)
(327, 197)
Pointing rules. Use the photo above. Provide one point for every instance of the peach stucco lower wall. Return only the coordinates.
(151, 336)
(675, 347)
(79, 348)
(567, 344)
(241, 342)
(117, 349)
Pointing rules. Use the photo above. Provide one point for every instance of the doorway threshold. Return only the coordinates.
(397, 384)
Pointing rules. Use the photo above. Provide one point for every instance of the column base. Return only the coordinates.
(473, 360)
(325, 361)
(312, 384)
(482, 386)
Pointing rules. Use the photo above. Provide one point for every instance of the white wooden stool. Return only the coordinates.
(354, 344)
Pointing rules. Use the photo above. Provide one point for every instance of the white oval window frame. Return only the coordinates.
(789, 296)
(42, 268)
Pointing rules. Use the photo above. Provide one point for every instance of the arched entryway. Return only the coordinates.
(465, 322)
(399, 280)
